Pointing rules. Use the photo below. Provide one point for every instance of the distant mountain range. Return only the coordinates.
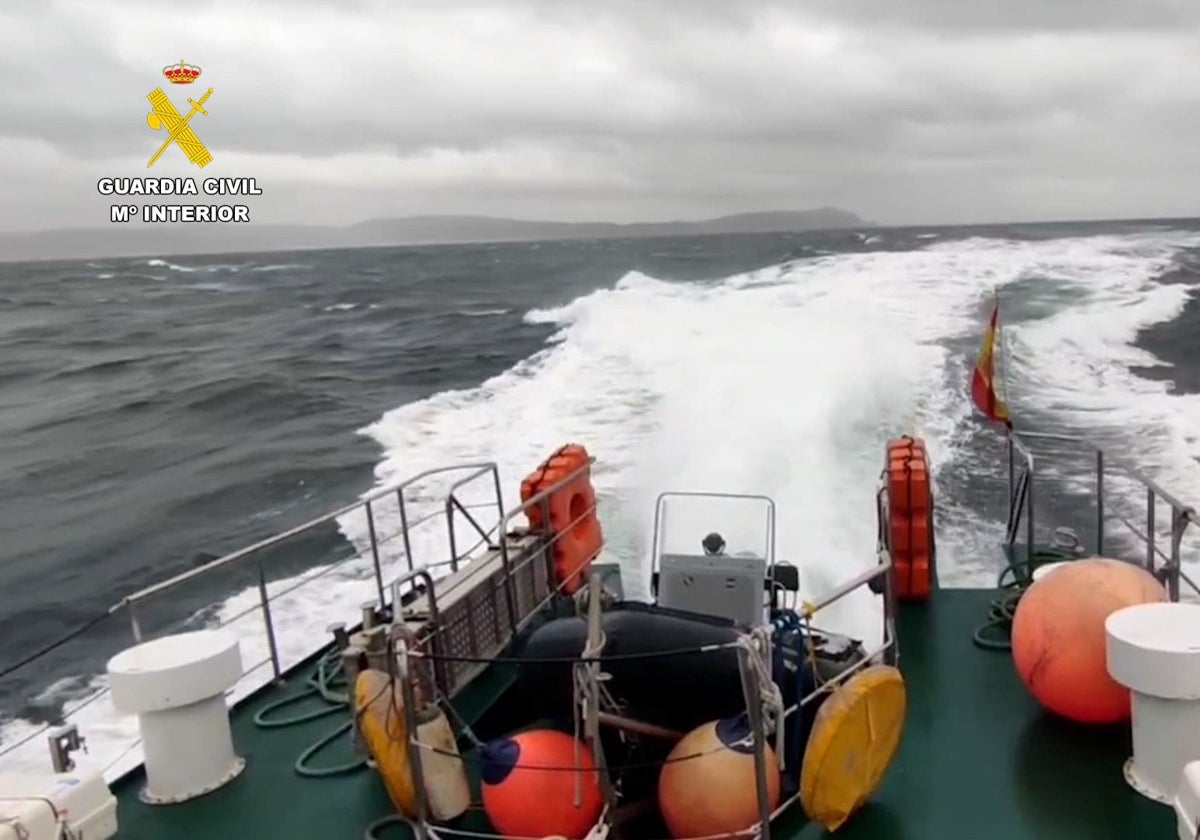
(160, 240)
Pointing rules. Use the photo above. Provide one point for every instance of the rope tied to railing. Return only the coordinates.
(757, 645)
(586, 677)
(572, 660)
(563, 768)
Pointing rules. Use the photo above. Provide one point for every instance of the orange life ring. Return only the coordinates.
(573, 523)
(910, 519)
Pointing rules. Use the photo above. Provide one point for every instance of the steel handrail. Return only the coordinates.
(660, 517)
(172, 582)
(1122, 464)
(1182, 515)
(305, 579)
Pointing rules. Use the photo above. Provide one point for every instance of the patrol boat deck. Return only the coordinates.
(976, 752)
(978, 758)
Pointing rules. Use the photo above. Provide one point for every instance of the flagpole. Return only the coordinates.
(1003, 360)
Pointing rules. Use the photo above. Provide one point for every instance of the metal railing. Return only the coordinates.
(254, 558)
(888, 652)
(1023, 479)
(369, 507)
(525, 591)
(379, 505)
(660, 520)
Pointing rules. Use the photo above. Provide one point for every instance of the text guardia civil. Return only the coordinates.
(180, 187)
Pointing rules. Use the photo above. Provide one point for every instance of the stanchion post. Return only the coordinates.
(751, 691)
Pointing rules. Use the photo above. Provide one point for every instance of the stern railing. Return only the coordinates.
(370, 508)
(1024, 475)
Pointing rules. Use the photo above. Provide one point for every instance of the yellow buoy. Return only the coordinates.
(380, 706)
(854, 738)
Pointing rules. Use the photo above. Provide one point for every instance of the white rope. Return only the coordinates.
(758, 645)
(587, 690)
(600, 830)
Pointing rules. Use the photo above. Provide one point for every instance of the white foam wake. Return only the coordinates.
(1077, 364)
(784, 382)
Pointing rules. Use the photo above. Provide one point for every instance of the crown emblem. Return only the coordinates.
(181, 74)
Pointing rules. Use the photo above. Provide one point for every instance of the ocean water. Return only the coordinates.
(158, 412)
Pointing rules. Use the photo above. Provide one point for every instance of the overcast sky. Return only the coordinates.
(903, 111)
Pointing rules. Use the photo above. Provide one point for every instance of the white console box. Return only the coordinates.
(80, 798)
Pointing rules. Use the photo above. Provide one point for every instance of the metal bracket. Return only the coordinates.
(1068, 540)
(340, 637)
(64, 741)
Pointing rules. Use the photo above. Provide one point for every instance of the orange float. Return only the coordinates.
(529, 783)
(572, 511)
(1058, 639)
(910, 518)
(708, 785)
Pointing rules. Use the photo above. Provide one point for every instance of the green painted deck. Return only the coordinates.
(978, 760)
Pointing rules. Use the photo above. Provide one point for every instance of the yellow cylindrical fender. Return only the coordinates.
(380, 704)
(380, 708)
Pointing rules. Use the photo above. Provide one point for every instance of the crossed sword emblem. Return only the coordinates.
(178, 130)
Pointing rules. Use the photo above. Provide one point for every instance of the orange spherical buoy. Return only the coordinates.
(708, 785)
(529, 785)
(1058, 639)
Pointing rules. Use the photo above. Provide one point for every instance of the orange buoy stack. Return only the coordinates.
(708, 785)
(910, 518)
(1058, 639)
(572, 508)
(529, 785)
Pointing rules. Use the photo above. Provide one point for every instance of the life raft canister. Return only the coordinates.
(573, 526)
(910, 518)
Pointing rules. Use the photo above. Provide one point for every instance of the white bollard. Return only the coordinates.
(1154, 650)
(176, 686)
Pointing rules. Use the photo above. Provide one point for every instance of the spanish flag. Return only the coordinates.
(983, 382)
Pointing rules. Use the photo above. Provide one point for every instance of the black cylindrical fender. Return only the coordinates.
(678, 691)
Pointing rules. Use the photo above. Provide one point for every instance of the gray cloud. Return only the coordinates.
(904, 112)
